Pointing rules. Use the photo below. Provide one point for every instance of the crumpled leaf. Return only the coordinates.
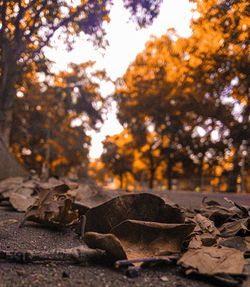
(213, 261)
(144, 206)
(20, 202)
(52, 208)
(240, 207)
(239, 227)
(199, 240)
(133, 239)
(20, 185)
(205, 232)
(237, 242)
(205, 225)
(220, 214)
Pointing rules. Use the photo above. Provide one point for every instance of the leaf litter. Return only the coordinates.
(137, 230)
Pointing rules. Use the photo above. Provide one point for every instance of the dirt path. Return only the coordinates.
(37, 238)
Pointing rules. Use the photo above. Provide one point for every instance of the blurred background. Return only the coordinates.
(135, 94)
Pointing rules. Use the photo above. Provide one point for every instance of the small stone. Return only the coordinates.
(20, 272)
(164, 278)
(133, 271)
(65, 274)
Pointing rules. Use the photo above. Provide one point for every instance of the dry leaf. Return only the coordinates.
(213, 261)
(21, 202)
(144, 206)
(220, 214)
(206, 225)
(52, 208)
(239, 227)
(237, 242)
(204, 239)
(133, 239)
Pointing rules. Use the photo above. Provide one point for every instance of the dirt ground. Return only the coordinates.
(34, 237)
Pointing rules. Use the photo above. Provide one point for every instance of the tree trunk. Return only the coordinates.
(151, 179)
(121, 180)
(169, 173)
(200, 173)
(9, 167)
(233, 175)
(5, 124)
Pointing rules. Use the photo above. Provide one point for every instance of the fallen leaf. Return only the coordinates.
(238, 227)
(52, 208)
(220, 214)
(206, 225)
(107, 242)
(133, 239)
(204, 239)
(144, 206)
(237, 242)
(213, 261)
(21, 202)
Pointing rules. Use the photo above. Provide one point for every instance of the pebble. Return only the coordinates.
(164, 278)
(65, 274)
(20, 272)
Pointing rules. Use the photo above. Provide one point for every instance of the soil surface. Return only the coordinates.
(34, 237)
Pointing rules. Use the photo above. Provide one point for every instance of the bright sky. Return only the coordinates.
(125, 42)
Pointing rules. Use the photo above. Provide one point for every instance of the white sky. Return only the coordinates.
(125, 42)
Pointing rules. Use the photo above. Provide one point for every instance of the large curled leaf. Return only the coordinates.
(133, 239)
(52, 208)
(144, 206)
(136, 226)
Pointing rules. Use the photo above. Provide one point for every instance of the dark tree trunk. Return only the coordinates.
(200, 173)
(233, 175)
(151, 178)
(121, 180)
(9, 167)
(170, 171)
(152, 169)
(5, 124)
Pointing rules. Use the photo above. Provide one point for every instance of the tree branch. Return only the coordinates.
(79, 254)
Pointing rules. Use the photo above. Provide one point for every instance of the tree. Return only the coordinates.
(117, 156)
(26, 27)
(178, 85)
(150, 101)
(219, 67)
(50, 134)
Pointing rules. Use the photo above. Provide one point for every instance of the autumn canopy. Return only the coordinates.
(183, 102)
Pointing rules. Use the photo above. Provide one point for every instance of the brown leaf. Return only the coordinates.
(239, 227)
(213, 261)
(144, 206)
(220, 214)
(133, 239)
(52, 208)
(21, 202)
(237, 242)
(107, 242)
(204, 239)
(206, 225)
